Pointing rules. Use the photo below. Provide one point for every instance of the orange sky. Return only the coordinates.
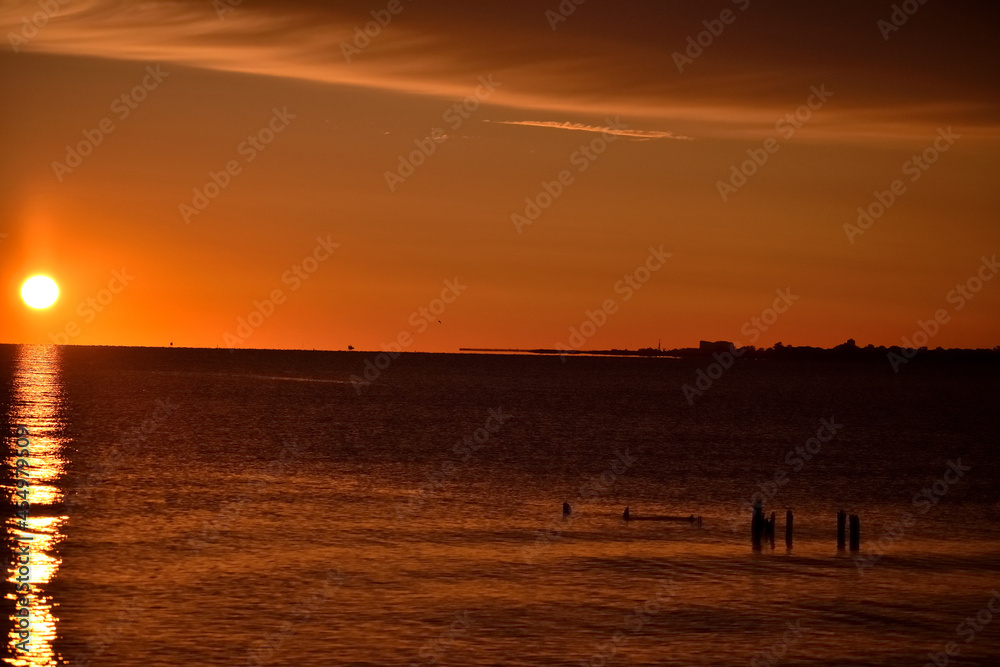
(547, 94)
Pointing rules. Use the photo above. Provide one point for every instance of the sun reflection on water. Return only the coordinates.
(37, 408)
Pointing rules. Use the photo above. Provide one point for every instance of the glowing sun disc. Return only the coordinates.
(39, 291)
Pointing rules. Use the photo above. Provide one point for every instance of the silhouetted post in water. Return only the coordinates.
(841, 529)
(855, 532)
(769, 529)
(757, 525)
(625, 513)
(567, 510)
(788, 529)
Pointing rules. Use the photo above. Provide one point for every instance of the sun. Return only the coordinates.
(39, 292)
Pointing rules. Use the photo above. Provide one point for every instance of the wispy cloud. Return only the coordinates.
(440, 50)
(580, 127)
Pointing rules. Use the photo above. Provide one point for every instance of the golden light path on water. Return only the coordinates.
(37, 405)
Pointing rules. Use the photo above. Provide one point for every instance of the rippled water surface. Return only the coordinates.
(208, 507)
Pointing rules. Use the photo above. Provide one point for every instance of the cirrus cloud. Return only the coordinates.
(581, 127)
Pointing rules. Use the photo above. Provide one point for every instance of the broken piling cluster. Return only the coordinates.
(763, 528)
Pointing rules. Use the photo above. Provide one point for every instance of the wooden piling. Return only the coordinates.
(757, 526)
(855, 532)
(789, 521)
(841, 529)
(770, 529)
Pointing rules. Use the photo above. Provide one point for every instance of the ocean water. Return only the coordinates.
(209, 507)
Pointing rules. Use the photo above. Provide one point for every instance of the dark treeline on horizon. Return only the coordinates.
(848, 351)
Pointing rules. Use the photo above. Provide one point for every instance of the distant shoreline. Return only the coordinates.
(843, 352)
(848, 351)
